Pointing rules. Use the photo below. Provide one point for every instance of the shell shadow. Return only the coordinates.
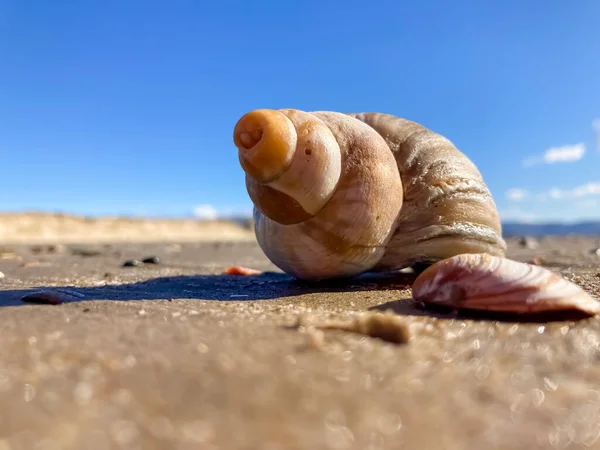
(274, 285)
(266, 286)
(414, 308)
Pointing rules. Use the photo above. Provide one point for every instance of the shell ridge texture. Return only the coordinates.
(493, 283)
(403, 194)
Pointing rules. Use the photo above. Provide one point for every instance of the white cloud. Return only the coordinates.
(210, 212)
(517, 215)
(565, 153)
(205, 212)
(596, 127)
(516, 194)
(591, 188)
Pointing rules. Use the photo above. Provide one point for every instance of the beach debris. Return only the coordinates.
(151, 260)
(174, 248)
(241, 270)
(528, 242)
(536, 261)
(315, 338)
(50, 248)
(86, 252)
(386, 326)
(36, 264)
(132, 263)
(52, 297)
(595, 251)
(6, 253)
(490, 283)
(1, 275)
(137, 262)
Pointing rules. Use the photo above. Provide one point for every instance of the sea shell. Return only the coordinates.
(339, 194)
(491, 283)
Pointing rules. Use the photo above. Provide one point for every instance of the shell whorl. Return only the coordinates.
(350, 232)
(375, 192)
(447, 208)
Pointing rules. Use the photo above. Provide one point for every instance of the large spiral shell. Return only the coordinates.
(339, 194)
(447, 207)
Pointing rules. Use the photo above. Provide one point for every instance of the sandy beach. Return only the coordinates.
(44, 228)
(177, 355)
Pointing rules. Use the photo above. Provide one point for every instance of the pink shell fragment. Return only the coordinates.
(491, 283)
(239, 270)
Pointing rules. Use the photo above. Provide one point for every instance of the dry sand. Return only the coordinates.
(178, 356)
(54, 228)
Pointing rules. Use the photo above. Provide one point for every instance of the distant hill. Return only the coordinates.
(508, 228)
(556, 229)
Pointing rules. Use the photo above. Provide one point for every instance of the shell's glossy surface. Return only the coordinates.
(447, 209)
(348, 193)
(491, 283)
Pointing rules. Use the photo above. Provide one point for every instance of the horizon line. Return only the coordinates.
(248, 216)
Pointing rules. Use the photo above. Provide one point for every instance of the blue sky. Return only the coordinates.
(112, 107)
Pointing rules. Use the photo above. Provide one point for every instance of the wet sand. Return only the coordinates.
(178, 356)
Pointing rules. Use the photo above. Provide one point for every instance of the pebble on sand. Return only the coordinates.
(1, 275)
(528, 242)
(52, 297)
(151, 260)
(132, 263)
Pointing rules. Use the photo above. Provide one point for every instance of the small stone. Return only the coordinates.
(50, 248)
(85, 252)
(1, 275)
(151, 260)
(528, 242)
(132, 263)
(51, 297)
(536, 261)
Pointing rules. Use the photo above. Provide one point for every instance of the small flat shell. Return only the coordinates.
(52, 297)
(240, 270)
(490, 283)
